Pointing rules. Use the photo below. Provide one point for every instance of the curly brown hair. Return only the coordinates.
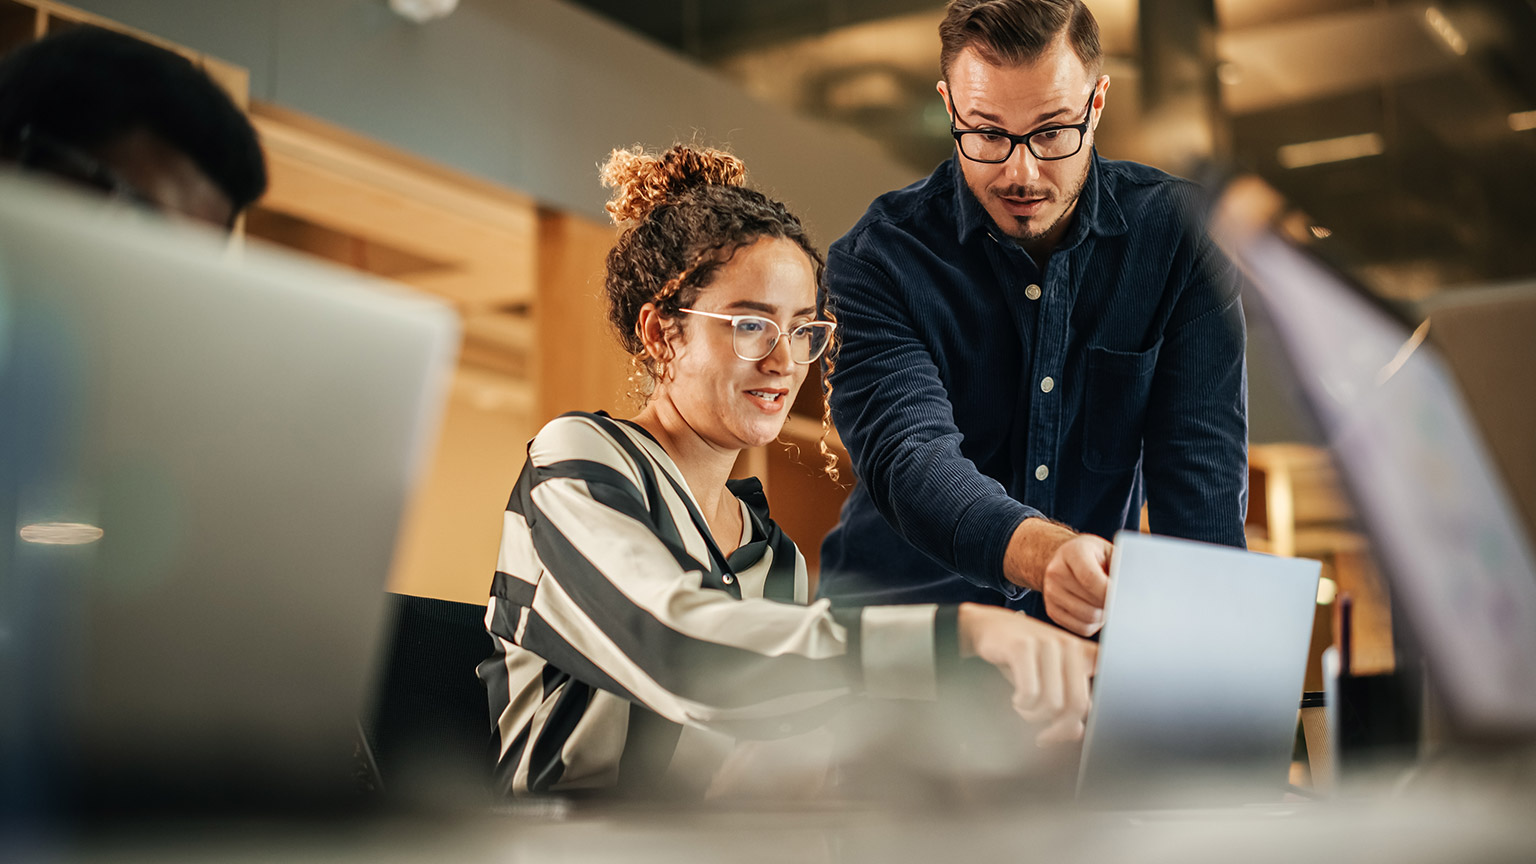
(683, 213)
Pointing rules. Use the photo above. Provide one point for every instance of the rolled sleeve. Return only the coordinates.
(981, 540)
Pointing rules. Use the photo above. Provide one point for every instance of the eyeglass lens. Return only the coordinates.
(755, 338)
(1049, 144)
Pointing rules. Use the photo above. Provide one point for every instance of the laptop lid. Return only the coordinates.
(1442, 524)
(204, 456)
(1201, 664)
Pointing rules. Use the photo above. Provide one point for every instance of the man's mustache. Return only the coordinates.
(1023, 192)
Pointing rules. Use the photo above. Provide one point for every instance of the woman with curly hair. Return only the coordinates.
(649, 617)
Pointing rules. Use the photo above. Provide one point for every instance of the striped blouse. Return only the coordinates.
(625, 639)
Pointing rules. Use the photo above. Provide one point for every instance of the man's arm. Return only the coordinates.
(1070, 570)
(1195, 451)
(894, 415)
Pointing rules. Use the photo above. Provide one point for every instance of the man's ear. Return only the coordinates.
(943, 88)
(1101, 95)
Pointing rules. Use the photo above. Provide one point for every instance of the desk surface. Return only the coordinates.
(1464, 826)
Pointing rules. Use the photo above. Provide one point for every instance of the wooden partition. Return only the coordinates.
(353, 201)
(582, 366)
(24, 20)
(1296, 507)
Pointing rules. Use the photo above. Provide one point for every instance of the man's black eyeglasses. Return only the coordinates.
(994, 145)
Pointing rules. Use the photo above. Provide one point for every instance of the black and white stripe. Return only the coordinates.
(611, 601)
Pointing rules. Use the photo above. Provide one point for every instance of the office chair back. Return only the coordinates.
(429, 734)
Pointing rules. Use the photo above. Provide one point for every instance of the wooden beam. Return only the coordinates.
(485, 237)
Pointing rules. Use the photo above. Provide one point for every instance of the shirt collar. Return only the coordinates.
(1098, 213)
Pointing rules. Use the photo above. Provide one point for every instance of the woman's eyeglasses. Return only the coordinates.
(754, 337)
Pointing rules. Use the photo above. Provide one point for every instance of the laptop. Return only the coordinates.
(205, 451)
(1446, 532)
(1201, 665)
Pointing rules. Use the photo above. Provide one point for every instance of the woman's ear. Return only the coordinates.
(654, 334)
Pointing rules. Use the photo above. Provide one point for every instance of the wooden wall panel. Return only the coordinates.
(448, 545)
(18, 24)
(484, 237)
(55, 17)
(581, 366)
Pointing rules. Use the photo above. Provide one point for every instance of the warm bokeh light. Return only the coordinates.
(1310, 153)
(1447, 31)
(60, 533)
(1327, 591)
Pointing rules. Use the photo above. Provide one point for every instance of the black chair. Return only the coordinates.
(429, 734)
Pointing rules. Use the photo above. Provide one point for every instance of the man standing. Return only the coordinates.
(1036, 340)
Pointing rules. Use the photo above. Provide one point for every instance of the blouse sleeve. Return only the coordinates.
(598, 581)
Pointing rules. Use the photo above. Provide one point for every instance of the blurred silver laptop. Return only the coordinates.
(1201, 665)
(204, 457)
(1442, 524)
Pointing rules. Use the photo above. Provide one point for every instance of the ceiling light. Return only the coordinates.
(1523, 121)
(1320, 232)
(1330, 150)
(60, 533)
(1447, 31)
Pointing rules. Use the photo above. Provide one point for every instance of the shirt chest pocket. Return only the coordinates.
(1119, 384)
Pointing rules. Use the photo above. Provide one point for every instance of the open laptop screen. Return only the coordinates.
(1442, 524)
(204, 458)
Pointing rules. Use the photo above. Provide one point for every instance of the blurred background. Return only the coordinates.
(1407, 130)
(457, 154)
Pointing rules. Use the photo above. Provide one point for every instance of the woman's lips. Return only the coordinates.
(769, 399)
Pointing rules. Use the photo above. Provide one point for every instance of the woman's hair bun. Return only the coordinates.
(643, 181)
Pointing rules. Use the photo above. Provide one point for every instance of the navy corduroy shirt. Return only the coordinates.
(975, 389)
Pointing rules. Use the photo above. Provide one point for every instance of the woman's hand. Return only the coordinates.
(1048, 667)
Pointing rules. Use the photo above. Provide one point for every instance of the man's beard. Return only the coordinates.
(1031, 234)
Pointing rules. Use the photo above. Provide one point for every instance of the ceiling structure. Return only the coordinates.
(1405, 130)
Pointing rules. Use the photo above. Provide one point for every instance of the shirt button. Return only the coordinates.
(1047, 385)
(1042, 472)
(1032, 292)
(727, 579)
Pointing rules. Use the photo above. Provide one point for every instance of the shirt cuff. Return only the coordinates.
(981, 541)
(897, 647)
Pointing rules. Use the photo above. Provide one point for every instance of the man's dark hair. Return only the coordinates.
(87, 86)
(1013, 32)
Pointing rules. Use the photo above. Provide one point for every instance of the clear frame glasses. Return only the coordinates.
(754, 337)
(994, 145)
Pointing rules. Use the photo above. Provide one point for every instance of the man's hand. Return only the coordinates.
(1070, 570)
(1075, 584)
(1048, 668)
